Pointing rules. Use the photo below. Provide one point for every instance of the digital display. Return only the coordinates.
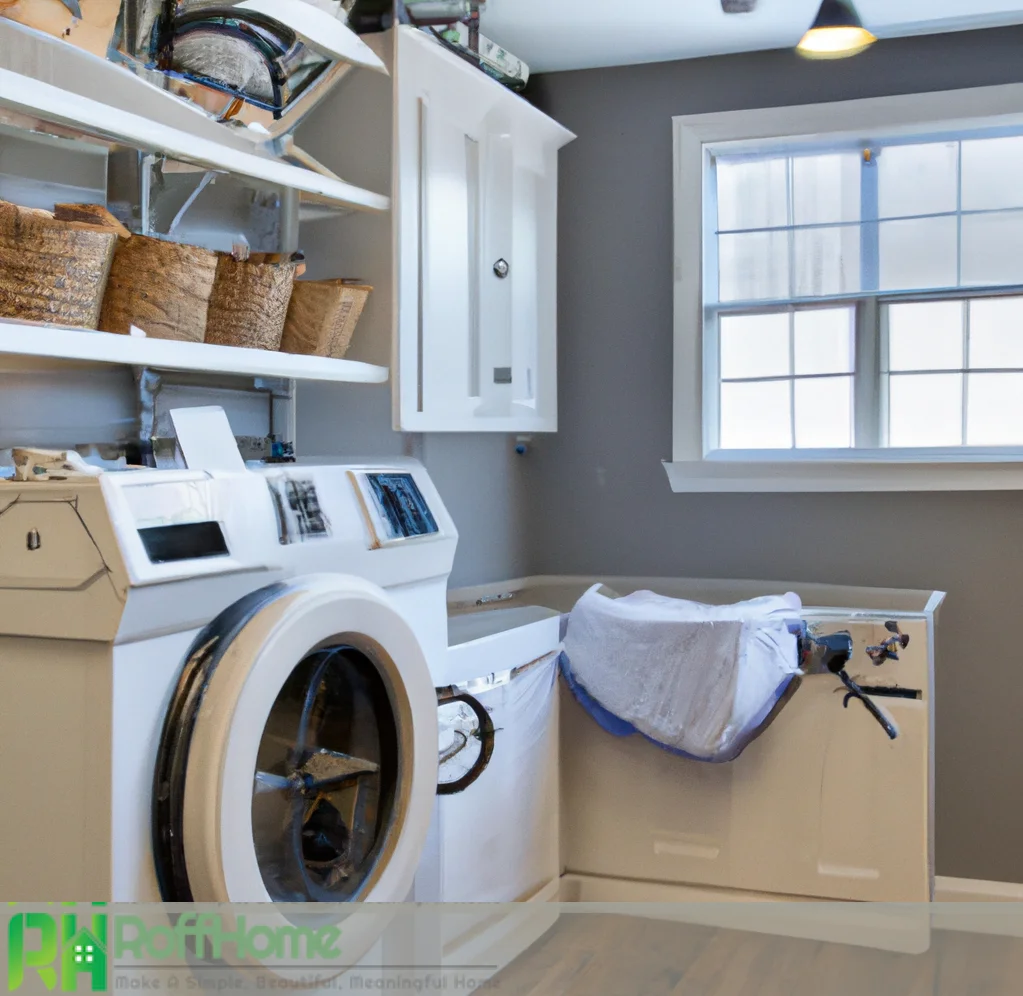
(188, 541)
(402, 506)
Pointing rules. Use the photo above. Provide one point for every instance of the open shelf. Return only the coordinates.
(37, 100)
(83, 346)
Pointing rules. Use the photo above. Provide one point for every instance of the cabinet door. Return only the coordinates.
(476, 179)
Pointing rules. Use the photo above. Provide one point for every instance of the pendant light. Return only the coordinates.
(837, 33)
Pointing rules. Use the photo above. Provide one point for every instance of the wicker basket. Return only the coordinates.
(249, 304)
(161, 287)
(92, 30)
(322, 317)
(52, 271)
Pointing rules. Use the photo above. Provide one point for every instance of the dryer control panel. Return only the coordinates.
(393, 507)
(384, 522)
(178, 524)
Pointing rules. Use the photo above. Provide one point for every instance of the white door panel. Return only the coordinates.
(449, 229)
(476, 199)
(496, 361)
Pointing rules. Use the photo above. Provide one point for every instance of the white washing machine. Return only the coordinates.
(217, 686)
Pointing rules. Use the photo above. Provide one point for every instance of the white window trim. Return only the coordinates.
(696, 138)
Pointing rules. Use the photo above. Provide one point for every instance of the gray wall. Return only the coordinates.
(599, 499)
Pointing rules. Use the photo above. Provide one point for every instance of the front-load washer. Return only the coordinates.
(216, 687)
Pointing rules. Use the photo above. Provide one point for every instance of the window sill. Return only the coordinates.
(817, 476)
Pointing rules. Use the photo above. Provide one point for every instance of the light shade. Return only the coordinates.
(837, 33)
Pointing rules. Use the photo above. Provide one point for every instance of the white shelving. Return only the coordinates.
(84, 346)
(28, 96)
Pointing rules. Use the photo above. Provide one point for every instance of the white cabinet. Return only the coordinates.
(476, 172)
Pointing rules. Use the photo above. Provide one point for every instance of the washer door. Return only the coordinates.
(299, 758)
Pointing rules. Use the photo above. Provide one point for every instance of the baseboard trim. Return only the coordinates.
(581, 888)
(903, 928)
(946, 890)
(970, 906)
(970, 890)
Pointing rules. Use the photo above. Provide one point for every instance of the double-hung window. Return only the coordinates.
(853, 300)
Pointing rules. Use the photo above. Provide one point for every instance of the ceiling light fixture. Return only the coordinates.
(837, 33)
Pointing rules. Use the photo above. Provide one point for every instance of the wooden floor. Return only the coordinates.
(608, 955)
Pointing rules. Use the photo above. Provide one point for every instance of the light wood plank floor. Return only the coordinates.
(609, 955)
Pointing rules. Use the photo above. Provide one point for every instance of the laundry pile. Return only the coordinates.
(700, 680)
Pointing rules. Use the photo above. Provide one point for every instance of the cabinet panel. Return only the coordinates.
(476, 223)
(500, 256)
(449, 221)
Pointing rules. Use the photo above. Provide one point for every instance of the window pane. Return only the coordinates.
(826, 189)
(827, 261)
(824, 339)
(918, 254)
(994, 412)
(753, 267)
(752, 194)
(824, 418)
(756, 416)
(925, 336)
(755, 345)
(918, 179)
(991, 171)
(925, 410)
(993, 249)
(996, 332)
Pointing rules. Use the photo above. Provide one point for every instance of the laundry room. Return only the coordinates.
(505, 452)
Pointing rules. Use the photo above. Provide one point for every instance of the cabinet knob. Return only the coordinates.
(501, 268)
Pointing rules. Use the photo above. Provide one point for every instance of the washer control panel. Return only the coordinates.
(394, 507)
(300, 514)
(402, 508)
(384, 522)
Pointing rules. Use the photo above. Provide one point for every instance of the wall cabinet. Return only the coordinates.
(475, 214)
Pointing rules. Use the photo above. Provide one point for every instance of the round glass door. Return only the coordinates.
(325, 780)
(298, 761)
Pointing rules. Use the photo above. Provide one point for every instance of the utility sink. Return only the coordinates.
(490, 640)
(477, 625)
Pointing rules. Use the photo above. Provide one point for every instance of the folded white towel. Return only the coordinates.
(697, 678)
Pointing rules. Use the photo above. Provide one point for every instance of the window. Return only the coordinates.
(859, 298)
(864, 228)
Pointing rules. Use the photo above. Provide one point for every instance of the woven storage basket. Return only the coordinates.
(161, 287)
(249, 304)
(92, 31)
(52, 271)
(322, 317)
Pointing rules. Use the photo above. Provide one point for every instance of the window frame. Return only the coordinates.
(695, 466)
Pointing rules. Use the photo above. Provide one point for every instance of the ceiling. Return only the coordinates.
(580, 34)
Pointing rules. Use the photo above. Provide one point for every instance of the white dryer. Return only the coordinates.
(217, 686)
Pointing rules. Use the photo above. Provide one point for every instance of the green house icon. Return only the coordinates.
(84, 953)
